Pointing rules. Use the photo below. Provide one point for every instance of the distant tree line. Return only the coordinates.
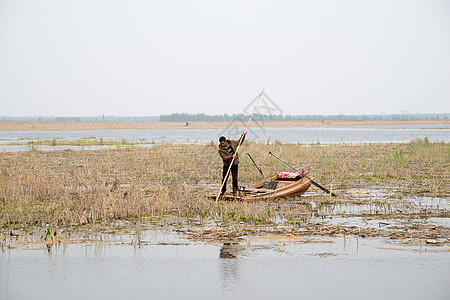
(201, 117)
(184, 117)
(82, 119)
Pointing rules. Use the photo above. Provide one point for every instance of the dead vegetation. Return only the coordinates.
(72, 125)
(70, 187)
(236, 233)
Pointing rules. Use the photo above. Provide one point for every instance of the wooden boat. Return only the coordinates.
(271, 188)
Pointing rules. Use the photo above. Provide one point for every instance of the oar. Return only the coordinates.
(303, 174)
(259, 169)
(239, 145)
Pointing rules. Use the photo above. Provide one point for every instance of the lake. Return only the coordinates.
(159, 262)
(166, 265)
(293, 134)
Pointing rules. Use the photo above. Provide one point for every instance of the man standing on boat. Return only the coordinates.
(227, 151)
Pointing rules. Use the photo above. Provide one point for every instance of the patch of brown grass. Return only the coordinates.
(77, 187)
(72, 125)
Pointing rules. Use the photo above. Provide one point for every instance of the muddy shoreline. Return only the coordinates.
(133, 233)
(39, 125)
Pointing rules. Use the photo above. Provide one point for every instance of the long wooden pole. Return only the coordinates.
(239, 145)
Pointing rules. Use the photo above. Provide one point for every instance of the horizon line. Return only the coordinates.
(224, 114)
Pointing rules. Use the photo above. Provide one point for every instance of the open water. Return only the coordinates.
(167, 266)
(312, 135)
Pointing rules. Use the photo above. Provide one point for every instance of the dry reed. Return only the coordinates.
(72, 125)
(77, 187)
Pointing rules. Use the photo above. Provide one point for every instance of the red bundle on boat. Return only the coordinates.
(283, 175)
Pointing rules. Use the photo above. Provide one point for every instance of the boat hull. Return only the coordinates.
(285, 188)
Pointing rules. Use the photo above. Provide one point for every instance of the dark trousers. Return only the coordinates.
(234, 174)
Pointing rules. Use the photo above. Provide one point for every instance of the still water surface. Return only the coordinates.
(167, 266)
(322, 134)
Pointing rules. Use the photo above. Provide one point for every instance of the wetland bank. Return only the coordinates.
(73, 188)
(134, 219)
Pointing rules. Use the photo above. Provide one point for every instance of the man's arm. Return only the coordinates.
(244, 134)
(225, 155)
(236, 144)
(241, 140)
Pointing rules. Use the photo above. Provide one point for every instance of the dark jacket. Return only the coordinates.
(226, 156)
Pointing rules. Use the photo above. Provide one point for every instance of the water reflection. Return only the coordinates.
(229, 250)
(231, 280)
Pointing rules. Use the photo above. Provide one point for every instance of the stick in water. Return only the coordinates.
(239, 145)
(259, 169)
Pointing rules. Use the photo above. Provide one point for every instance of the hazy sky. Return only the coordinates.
(139, 58)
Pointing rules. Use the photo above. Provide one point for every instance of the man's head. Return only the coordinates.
(223, 141)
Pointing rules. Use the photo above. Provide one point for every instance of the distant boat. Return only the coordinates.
(279, 186)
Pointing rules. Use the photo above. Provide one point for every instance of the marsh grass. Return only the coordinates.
(78, 187)
(72, 125)
(89, 141)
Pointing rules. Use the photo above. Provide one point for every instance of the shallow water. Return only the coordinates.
(375, 206)
(159, 263)
(167, 265)
(150, 137)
